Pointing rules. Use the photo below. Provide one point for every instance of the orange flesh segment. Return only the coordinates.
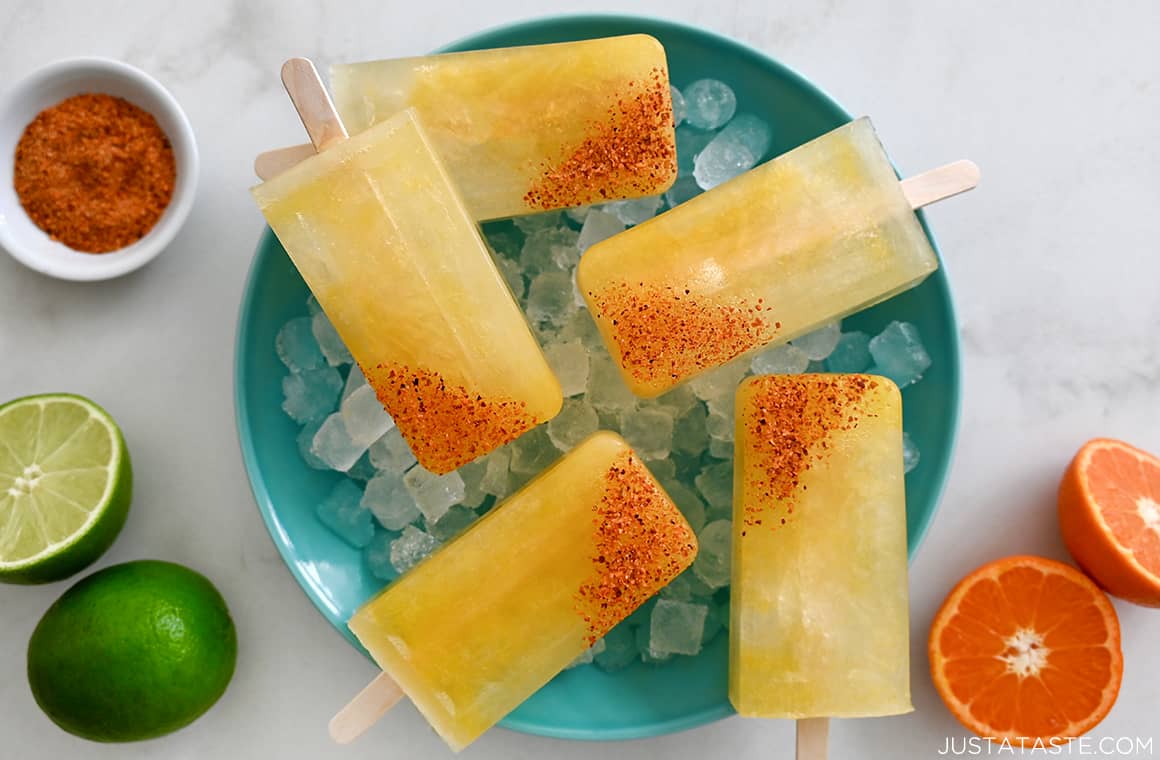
(1126, 491)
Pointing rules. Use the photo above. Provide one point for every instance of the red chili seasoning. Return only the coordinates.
(446, 425)
(641, 542)
(666, 334)
(789, 422)
(95, 172)
(631, 153)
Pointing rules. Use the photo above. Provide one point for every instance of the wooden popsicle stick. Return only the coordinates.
(273, 162)
(937, 184)
(813, 738)
(362, 712)
(313, 103)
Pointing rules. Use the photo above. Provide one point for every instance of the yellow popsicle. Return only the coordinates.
(528, 129)
(475, 629)
(819, 620)
(814, 235)
(382, 239)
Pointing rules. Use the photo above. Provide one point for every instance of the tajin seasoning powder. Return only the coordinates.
(95, 172)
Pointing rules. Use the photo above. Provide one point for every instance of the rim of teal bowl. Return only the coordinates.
(262, 496)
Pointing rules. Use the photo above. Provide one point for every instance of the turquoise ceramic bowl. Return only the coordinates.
(584, 703)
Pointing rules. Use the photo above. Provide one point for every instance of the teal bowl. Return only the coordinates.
(584, 703)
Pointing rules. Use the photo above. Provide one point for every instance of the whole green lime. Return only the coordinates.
(132, 652)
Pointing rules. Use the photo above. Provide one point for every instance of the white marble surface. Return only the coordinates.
(1053, 261)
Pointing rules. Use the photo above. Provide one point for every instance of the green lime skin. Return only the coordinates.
(94, 543)
(132, 652)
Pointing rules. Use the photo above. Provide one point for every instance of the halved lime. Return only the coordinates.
(65, 486)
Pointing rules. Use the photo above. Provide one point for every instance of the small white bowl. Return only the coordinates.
(50, 85)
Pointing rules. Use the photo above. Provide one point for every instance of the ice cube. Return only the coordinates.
(334, 445)
(678, 105)
(619, 649)
(852, 354)
(649, 431)
(576, 421)
(587, 656)
(786, 359)
(721, 382)
(719, 426)
(820, 343)
(910, 453)
(684, 189)
(720, 449)
(311, 394)
(680, 400)
(541, 248)
(365, 419)
(362, 470)
(709, 103)
(598, 225)
(378, 556)
(297, 347)
(513, 275)
(533, 451)
(495, 479)
(676, 627)
(635, 210)
(453, 522)
(647, 655)
(580, 325)
(735, 150)
(390, 453)
(687, 501)
(329, 341)
(690, 143)
(504, 238)
(715, 483)
(714, 561)
(537, 222)
(411, 548)
(715, 621)
(606, 389)
(550, 298)
(579, 214)
(312, 306)
(569, 360)
(343, 513)
(305, 441)
(389, 501)
(355, 379)
(433, 494)
(899, 354)
(662, 469)
(689, 434)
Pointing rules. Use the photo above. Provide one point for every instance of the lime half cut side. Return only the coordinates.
(65, 486)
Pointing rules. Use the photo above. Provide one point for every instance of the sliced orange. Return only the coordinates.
(1109, 512)
(1027, 649)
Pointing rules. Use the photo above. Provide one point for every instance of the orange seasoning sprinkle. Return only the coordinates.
(631, 153)
(95, 172)
(789, 422)
(666, 334)
(642, 542)
(446, 425)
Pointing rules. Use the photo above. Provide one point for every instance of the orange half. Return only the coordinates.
(1109, 513)
(1027, 649)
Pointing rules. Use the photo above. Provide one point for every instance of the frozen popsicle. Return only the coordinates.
(819, 595)
(528, 129)
(814, 235)
(382, 239)
(475, 629)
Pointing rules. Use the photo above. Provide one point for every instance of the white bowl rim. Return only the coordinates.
(64, 263)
